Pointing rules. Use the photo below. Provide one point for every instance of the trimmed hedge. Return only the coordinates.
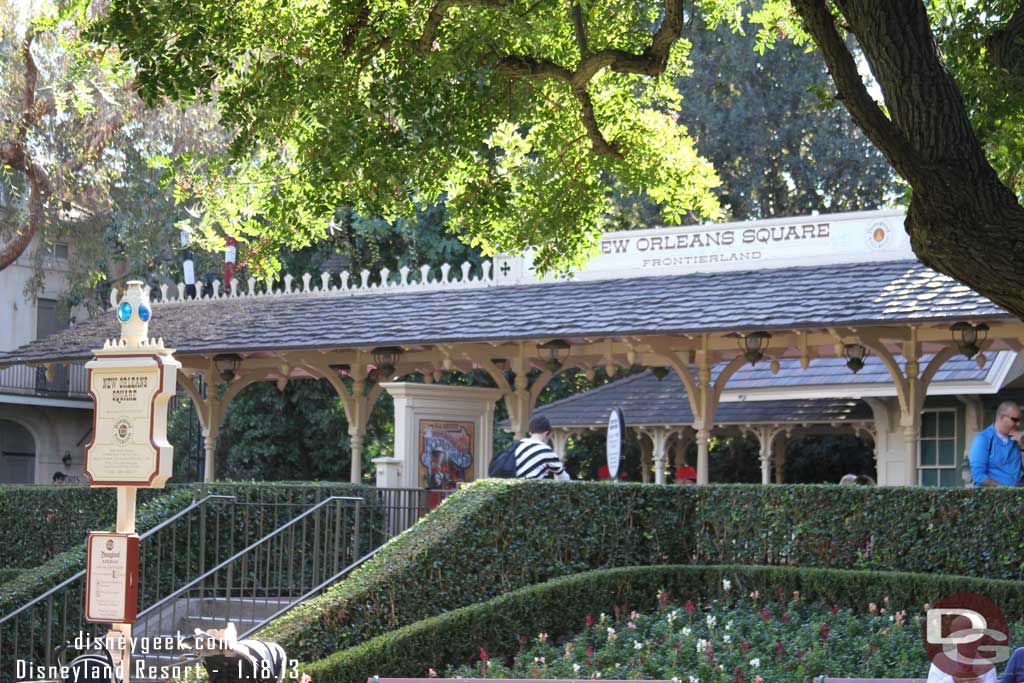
(9, 574)
(559, 607)
(32, 582)
(494, 536)
(279, 502)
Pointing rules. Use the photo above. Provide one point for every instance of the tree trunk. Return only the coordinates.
(962, 221)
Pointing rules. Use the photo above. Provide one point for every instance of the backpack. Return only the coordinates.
(503, 465)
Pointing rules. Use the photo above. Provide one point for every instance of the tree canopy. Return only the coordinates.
(529, 116)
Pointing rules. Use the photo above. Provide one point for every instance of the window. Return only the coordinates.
(57, 250)
(937, 464)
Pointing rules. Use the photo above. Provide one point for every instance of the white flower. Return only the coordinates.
(576, 667)
(721, 668)
(728, 625)
(611, 631)
(702, 645)
(638, 645)
(712, 620)
(727, 638)
(693, 679)
(671, 616)
(726, 584)
(755, 662)
(686, 631)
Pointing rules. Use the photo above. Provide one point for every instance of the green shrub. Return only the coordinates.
(560, 607)
(40, 522)
(266, 506)
(495, 536)
(9, 574)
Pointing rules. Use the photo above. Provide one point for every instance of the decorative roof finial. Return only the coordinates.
(134, 312)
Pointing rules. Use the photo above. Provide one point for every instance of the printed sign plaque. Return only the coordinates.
(111, 578)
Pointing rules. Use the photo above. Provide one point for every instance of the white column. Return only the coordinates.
(764, 438)
(646, 451)
(659, 440)
(559, 441)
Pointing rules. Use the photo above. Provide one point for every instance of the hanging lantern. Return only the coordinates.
(555, 351)
(969, 337)
(855, 355)
(752, 345)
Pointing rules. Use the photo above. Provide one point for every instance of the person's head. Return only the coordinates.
(865, 480)
(848, 480)
(1007, 417)
(540, 427)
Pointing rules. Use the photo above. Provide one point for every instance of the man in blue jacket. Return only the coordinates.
(995, 452)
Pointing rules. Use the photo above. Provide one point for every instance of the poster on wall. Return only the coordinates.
(446, 453)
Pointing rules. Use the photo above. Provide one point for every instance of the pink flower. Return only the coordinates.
(690, 607)
(872, 648)
(744, 646)
(784, 618)
(765, 614)
(306, 678)
(758, 679)
(823, 632)
(835, 609)
(663, 599)
(739, 675)
(872, 608)
(590, 620)
(590, 650)
(431, 673)
(779, 650)
(631, 625)
(483, 655)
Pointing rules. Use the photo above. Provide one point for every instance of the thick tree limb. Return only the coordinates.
(1006, 45)
(14, 153)
(862, 107)
(962, 220)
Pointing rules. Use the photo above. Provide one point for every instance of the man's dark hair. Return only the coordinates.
(539, 424)
(59, 477)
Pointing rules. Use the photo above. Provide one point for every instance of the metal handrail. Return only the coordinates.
(313, 591)
(146, 534)
(280, 530)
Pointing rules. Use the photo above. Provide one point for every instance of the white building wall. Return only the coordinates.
(56, 428)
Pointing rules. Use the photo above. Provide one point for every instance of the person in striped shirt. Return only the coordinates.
(534, 458)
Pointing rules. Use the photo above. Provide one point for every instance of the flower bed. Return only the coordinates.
(746, 639)
(500, 628)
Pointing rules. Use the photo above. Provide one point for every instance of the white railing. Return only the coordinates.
(63, 380)
(342, 284)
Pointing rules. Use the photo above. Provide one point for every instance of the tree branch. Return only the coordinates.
(437, 14)
(576, 15)
(28, 97)
(865, 111)
(14, 153)
(1006, 45)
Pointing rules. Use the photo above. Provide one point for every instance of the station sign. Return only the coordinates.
(111, 578)
(616, 436)
(131, 381)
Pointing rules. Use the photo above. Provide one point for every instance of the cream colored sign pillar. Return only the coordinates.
(131, 380)
(435, 426)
